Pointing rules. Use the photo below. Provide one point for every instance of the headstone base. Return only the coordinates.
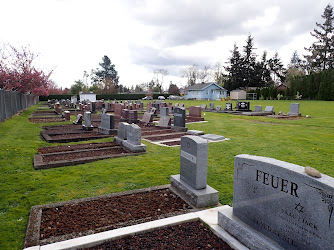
(106, 131)
(294, 114)
(195, 132)
(88, 128)
(118, 140)
(179, 129)
(195, 118)
(206, 197)
(244, 233)
(133, 148)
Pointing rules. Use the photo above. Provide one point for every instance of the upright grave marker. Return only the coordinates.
(279, 200)
(88, 121)
(107, 124)
(180, 119)
(228, 106)
(294, 109)
(191, 183)
(133, 141)
(122, 132)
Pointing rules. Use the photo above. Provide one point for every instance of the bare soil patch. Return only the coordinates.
(190, 235)
(172, 143)
(60, 156)
(65, 220)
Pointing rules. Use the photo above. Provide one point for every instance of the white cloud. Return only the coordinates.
(142, 35)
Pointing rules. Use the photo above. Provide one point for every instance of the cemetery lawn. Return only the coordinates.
(306, 142)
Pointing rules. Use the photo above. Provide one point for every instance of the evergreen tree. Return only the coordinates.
(322, 50)
(277, 69)
(107, 74)
(234, 70)
(248, 65)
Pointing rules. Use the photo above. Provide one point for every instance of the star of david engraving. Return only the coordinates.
(299, 208)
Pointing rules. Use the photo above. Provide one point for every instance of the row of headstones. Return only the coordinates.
(245, 106)
(129, 136)
(291, 205)
(165, 119)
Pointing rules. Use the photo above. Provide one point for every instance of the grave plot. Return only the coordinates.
(163, 137)
(70, 219)
(60, 156)
(46, 119)
(71, 136)
(188, 235)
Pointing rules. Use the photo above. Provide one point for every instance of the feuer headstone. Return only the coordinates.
(279, 200)
(212, 105)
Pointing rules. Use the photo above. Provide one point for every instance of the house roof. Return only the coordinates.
(201, 86)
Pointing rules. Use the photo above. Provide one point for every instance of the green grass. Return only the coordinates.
(306, 142)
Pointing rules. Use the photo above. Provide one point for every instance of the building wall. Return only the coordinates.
(208, 93)
(88, 96)
(238, 95)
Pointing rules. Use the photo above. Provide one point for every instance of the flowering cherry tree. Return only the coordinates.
(18, 73)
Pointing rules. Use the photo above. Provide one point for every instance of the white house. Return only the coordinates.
(91, 97)
(210, 90)
(238, 94)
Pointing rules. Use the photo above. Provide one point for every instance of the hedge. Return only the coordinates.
(105, 97)
(318, 86)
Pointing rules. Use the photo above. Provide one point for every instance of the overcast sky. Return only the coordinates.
(140, 36)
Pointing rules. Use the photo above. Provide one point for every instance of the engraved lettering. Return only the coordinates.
(284, 185)
(265, 178)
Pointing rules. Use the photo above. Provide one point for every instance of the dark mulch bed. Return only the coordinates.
(155, 132)
(83, 154)
(46, 150)
(172, 143)
(106, 213)
(74, 137)
(190, 235)
(46, 119)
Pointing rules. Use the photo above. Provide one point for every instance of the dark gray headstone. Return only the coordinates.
(194, 161)
(243, 106)
(179, 117)
(164, 111)
(282, 202)
(212, 105)
(107, 121)
(228, 106)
